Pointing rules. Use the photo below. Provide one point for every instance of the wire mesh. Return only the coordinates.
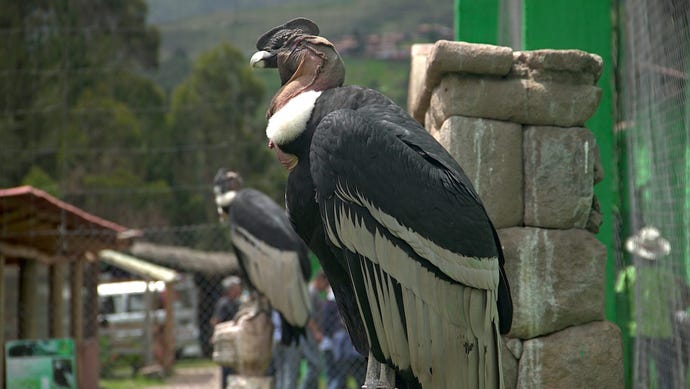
(655, 128)
(102, 109)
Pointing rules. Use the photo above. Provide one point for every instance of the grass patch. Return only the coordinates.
(128, 383)
(121, 377)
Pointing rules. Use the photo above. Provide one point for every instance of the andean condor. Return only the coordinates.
(272, 257)
(415, 263)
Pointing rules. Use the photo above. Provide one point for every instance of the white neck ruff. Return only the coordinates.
(290, 121)
(223, 200)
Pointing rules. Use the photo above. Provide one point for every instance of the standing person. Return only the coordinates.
(330, 323)
(285, 359)
(309, 350)
(309, 346)
(346, 358)
(225, 309)
(342, 360)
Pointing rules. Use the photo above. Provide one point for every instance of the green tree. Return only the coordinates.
(173, 69)
(77, 118)
(39, 179)
(210, 124)
(105, 159)
(52, 52)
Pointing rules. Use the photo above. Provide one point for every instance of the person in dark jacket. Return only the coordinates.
(225, 309)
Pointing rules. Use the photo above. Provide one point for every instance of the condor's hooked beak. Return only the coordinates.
(264, 59)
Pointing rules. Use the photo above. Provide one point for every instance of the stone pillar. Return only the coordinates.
(515, 123)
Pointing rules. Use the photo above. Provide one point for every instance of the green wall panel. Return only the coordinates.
(476, 21)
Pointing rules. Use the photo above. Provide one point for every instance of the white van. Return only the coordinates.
(122, 316)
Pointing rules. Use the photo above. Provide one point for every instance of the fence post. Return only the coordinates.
(57, 303)
(28, 269)
(77, 313)
(2, 320)
(169, 328)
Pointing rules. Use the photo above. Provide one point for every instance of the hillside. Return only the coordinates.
(172, 10)
(373, 37)
(196, 25)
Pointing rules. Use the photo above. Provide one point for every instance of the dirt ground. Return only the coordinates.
(192, 378)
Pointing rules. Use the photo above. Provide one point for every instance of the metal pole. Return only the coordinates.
(77, 314)
(148, 350)
(169, 329)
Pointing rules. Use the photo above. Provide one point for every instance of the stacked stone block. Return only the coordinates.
(515, 123)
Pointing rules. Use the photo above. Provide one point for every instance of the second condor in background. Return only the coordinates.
(273, 258)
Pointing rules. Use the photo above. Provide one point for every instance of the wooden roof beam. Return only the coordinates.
(18, 251)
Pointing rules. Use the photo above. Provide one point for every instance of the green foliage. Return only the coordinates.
(98, 122)
(88, 116)
(83, 118)
(220, 90)
(37, 178)
(388, 77)
(54, 81)
(211, 123)
(172, 69)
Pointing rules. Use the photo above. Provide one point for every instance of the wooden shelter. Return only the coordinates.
(39, 231)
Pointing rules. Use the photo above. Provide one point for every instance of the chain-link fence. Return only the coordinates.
(100, 111)
(123, 304)
(124, 297)
(655, 131)
(324, 356)
(126, 110)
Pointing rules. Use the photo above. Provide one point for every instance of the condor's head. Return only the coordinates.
(226, 183)
(307, 64)
(305, 61)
